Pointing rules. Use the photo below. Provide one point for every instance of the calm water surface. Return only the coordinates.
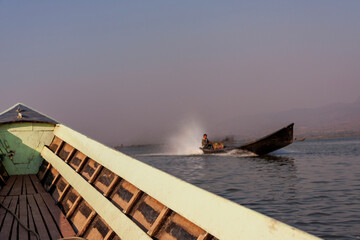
(313, 185)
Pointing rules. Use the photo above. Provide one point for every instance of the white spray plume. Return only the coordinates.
(187, 139)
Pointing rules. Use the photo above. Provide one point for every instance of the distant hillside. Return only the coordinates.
(331, 120)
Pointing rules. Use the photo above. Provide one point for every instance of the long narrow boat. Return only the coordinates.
(62, 184)
(262, 146)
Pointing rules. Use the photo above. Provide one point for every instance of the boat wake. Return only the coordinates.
(239, 153)
(195, 151)
(170, 154)
(234, 153)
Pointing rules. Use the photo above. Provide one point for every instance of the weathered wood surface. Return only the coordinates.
(121, 195)
(36, 209)
(9, 184)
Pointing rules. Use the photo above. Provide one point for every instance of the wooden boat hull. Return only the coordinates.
(217, 151)
(262, 146)
(104, 194)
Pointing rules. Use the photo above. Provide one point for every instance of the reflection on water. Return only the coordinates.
(313, 185)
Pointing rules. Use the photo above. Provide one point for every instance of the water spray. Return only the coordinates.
(186, 140)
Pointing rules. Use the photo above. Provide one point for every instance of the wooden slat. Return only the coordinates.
(59, 146)
(73, 207)
(40, 225)
(38, 187)
(98, 229)
(112, 185)
(54, 180)
(132, 201)
(204, 236)
(104, 179)
(96, 173)
(76, 160)
(23, 234)
(30, 190)
(55, 143)
(81, 165)
(9, 184)
(8, 221)
(71, 154)
(17, 188)
(109, 235)
(15, 227)
(62, 195)
(87, 223)
(158, 222)
(31, 223)
(6, 202)
(45, 172)
(51, 226)
(23, 186)
(64, 226)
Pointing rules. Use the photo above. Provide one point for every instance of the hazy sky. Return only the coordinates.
(132, 71)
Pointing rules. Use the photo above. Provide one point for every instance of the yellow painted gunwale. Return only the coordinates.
(117, 220)
(220, 217)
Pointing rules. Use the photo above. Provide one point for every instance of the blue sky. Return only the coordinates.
(130, 71)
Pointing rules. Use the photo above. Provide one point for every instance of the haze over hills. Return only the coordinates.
(331, 120)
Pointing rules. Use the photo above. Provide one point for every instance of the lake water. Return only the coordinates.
(313, 185)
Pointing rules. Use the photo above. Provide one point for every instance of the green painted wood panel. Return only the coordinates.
(21, 144)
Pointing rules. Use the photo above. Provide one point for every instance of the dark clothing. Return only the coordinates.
(206, 143)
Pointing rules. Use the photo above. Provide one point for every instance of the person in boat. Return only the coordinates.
(206, 143)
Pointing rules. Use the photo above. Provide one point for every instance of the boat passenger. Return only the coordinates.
(206, 143)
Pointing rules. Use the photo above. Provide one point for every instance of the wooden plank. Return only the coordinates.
(204, 236)
(23, 186)
(6, 202)
(54, 180)
(49, 222)
(71, 154)
(45, 172)
(17, 188)
(30, 190)
(59, 147)
(31, 223)
(62, 195)
(63, 224)
(87, 223)
(16, 225)
(8, 220)
(74, 206)
(96, 173)
(132, 201)
(82, 164)
(23, 234)
(112, 185)
(158, 222)
(109, 235)
(36, 182)
(40, 225)
(9, 184)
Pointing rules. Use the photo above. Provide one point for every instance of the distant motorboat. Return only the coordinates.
(262, 146)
